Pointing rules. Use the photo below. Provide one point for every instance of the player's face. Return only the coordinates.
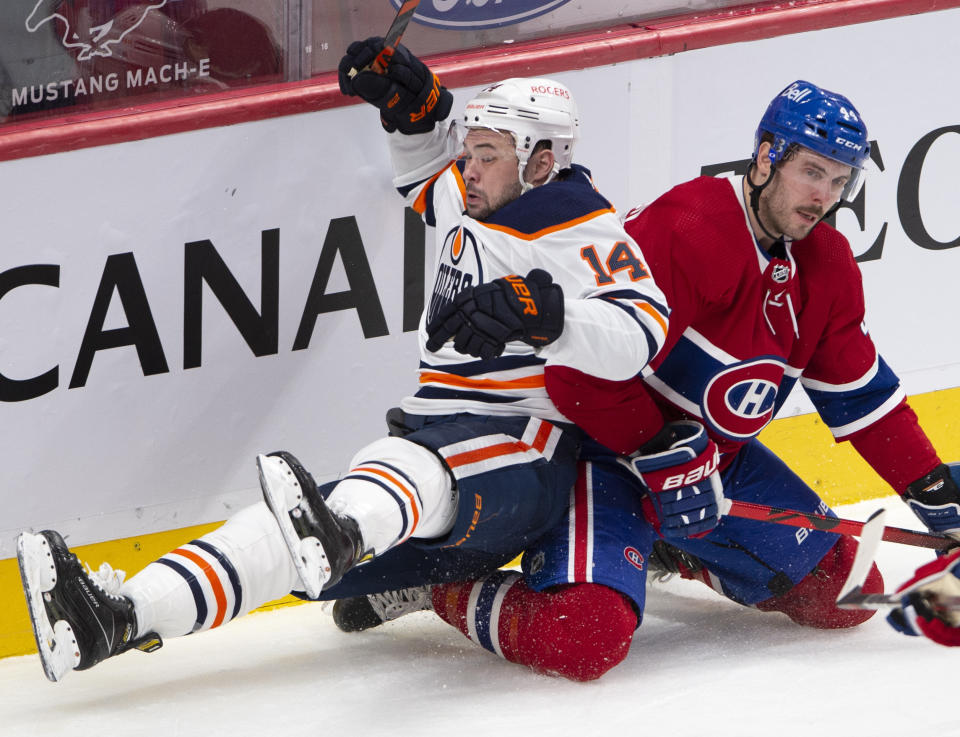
(805, 187)
(491, 171)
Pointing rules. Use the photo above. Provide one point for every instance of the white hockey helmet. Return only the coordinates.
(533, 110)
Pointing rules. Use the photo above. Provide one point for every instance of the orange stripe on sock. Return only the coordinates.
(218, 592)
(393, 479)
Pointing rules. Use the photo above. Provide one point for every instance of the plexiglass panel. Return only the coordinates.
(62, 57)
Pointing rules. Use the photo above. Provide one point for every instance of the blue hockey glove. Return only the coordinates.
(678, 469)
(935, 499)
(929, 605)
(483, 319)
(409, 96)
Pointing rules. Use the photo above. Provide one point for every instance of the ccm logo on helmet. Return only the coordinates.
(849, 144)
(693, 476)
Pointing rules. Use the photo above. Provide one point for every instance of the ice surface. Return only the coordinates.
(699, 665)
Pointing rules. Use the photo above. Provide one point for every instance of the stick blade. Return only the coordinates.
(870, 538)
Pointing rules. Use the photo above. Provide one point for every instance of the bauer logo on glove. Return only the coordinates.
(483, 319)
(409, 96)
(678, 470)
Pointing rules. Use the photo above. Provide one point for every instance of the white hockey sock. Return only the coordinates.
(239, 566)
(396, 489)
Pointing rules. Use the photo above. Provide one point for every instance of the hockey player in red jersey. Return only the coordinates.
(482, 462)
(763, 294)
(930, 602)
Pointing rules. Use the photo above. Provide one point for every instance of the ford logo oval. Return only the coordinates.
(464, 14)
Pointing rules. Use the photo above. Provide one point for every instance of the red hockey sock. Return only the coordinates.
(812, 602)
(578, 631)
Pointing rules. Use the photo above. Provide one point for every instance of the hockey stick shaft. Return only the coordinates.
(392, 39)
(858, 600)
(813, 521)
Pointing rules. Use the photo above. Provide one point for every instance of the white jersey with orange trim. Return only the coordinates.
(615, 316)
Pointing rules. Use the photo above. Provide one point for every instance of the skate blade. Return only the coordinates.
(281, 495)
(55, 641)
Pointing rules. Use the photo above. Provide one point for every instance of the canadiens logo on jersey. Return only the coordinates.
(458, 267)
(739, 401)
(735, 399)
(634, 557)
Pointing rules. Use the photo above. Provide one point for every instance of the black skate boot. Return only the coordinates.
(360, 613)
(667, 561)
(323, 545)
(76, 621)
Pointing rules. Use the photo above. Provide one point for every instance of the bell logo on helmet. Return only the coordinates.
(822, 121)
(796, 93)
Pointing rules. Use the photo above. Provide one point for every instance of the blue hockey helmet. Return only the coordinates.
(820, 120)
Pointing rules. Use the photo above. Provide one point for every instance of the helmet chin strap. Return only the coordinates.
(755, 191)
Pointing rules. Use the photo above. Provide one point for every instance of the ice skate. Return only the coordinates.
(360, 613)
(76, 621)
(667, 561)
(323, 545)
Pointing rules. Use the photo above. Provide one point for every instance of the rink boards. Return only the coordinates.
(207, 295)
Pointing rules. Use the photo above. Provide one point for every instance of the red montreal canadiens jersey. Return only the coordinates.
(745, 326)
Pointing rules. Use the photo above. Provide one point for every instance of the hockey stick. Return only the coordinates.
(813, 521)
(851, 596)
(391, 40)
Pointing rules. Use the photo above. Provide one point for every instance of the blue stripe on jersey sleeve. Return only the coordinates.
(653, 345)
(429, 215)
(433, 392)
(839, 408)
(632, 294)
(472, 368)
(783, 391)
(687, 368)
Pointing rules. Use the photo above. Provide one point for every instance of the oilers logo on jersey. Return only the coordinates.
(458, 267)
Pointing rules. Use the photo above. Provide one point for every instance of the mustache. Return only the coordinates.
(817, 212)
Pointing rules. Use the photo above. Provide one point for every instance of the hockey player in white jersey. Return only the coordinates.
(486, 462)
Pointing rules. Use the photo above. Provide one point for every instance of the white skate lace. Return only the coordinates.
(107, 579)
(393, 604)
